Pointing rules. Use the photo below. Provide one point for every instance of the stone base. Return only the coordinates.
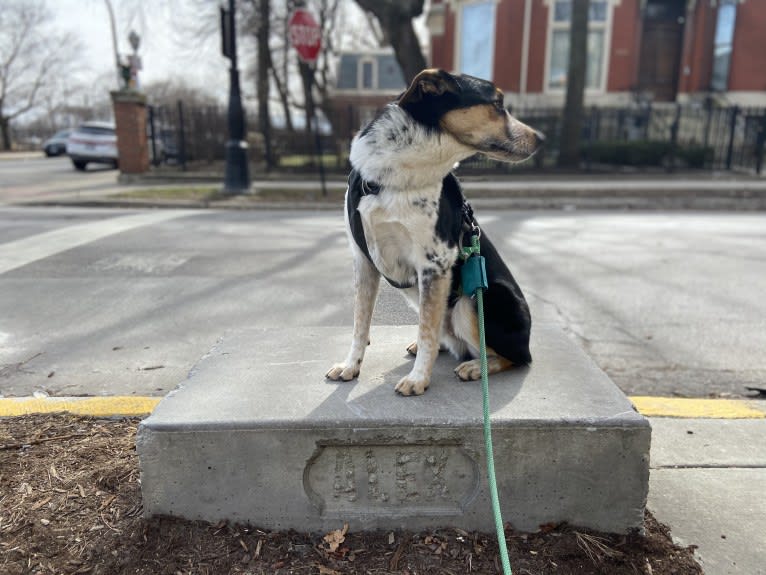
(257, 435)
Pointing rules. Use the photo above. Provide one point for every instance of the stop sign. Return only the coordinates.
(305, 35)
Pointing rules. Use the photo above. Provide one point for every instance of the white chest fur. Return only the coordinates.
(401, 236)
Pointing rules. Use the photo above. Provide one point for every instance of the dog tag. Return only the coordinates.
(473, 275)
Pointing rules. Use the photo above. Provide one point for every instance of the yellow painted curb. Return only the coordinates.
(134, 406)
(95, 406)
(695, 408)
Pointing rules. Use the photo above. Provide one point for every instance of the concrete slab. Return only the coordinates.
(706, 484)
(708, 443)
(722, 511)
(256, 434)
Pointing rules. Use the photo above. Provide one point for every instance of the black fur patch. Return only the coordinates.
(472, 91)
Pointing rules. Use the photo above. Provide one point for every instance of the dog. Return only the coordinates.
(406, 219)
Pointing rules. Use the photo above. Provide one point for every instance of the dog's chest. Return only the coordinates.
(400, 231)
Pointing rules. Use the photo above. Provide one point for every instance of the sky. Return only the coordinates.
(162, 49)
(166, 49)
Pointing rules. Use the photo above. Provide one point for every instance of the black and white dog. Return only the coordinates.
(407, 218)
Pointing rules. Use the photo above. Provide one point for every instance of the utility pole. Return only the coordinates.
(237, 179)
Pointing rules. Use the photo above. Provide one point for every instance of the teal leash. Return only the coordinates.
(474, 282)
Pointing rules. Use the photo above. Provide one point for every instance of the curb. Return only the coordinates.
(122, 406)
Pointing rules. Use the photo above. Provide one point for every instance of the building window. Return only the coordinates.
(366, 74)
(724, 38)
(558, 62)
(476, 29)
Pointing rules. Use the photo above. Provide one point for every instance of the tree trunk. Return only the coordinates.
(262, 84)
(569, 154)
(5, 128)
(395, 17)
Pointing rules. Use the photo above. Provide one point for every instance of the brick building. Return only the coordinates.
(665, 50)
(366, 81)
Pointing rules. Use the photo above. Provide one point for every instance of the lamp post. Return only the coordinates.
(237, 178)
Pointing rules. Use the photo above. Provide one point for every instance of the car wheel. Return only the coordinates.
(79, 165)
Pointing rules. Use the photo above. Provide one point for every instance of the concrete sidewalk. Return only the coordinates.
(707, 484)
(713, 190)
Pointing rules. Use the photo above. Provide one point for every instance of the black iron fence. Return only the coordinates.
(666, 137)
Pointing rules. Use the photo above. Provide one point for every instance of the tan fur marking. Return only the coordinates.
(433, 301)
(474, 124)
(466, 325)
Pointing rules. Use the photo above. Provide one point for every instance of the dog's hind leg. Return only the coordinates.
(366, 283)
(465, 324)
(433, 301)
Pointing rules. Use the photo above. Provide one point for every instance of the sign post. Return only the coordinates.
(306, 37)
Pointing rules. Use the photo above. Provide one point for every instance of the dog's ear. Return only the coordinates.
(429, 82)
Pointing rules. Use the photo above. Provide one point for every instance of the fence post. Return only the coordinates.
(592, 121)
(181, 136)
(760, 143)
(153, 131)
(674, 127)
(732, 130)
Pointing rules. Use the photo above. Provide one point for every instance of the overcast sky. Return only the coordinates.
(165, 27)
(161, 26)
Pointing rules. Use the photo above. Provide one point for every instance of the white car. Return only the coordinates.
(93, 142)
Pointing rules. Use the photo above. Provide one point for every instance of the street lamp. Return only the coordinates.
(237, 179)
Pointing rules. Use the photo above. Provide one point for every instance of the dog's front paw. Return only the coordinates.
(412, 349)
(340, 371)
(411, 386)
(469, 370)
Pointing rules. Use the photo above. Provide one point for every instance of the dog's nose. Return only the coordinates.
(539, 139)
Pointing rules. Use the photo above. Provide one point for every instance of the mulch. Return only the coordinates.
(70, 502)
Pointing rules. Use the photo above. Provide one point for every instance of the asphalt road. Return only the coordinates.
(28, 177)
(96, 301)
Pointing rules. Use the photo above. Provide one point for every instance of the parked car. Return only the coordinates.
(56, 144)
(93, 142)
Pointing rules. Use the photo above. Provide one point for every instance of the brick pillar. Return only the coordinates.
(130, 120)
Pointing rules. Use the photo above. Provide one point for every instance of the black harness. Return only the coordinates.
(454, 220)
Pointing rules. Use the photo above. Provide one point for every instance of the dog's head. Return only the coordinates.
(471, 110)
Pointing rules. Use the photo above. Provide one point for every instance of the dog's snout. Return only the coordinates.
(539, 139)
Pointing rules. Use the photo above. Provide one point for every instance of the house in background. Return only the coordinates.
(662, 50)
(366, 81)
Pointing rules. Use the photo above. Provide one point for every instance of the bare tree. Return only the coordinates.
(30, 54)
(169, 92)
(569, 155)
(395, 18)
(260, 24)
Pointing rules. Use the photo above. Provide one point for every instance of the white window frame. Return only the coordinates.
(606, 26)
(360, 73)
(456, 6)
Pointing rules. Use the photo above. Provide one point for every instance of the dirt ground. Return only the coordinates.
(70, 502)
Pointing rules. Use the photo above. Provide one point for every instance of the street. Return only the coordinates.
(32, 176)
(108, 302)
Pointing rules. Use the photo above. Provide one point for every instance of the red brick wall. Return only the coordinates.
(509, 36)
(130, 123)
(748, 67)
(537, 41)
(625, 50)
(442, 47)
